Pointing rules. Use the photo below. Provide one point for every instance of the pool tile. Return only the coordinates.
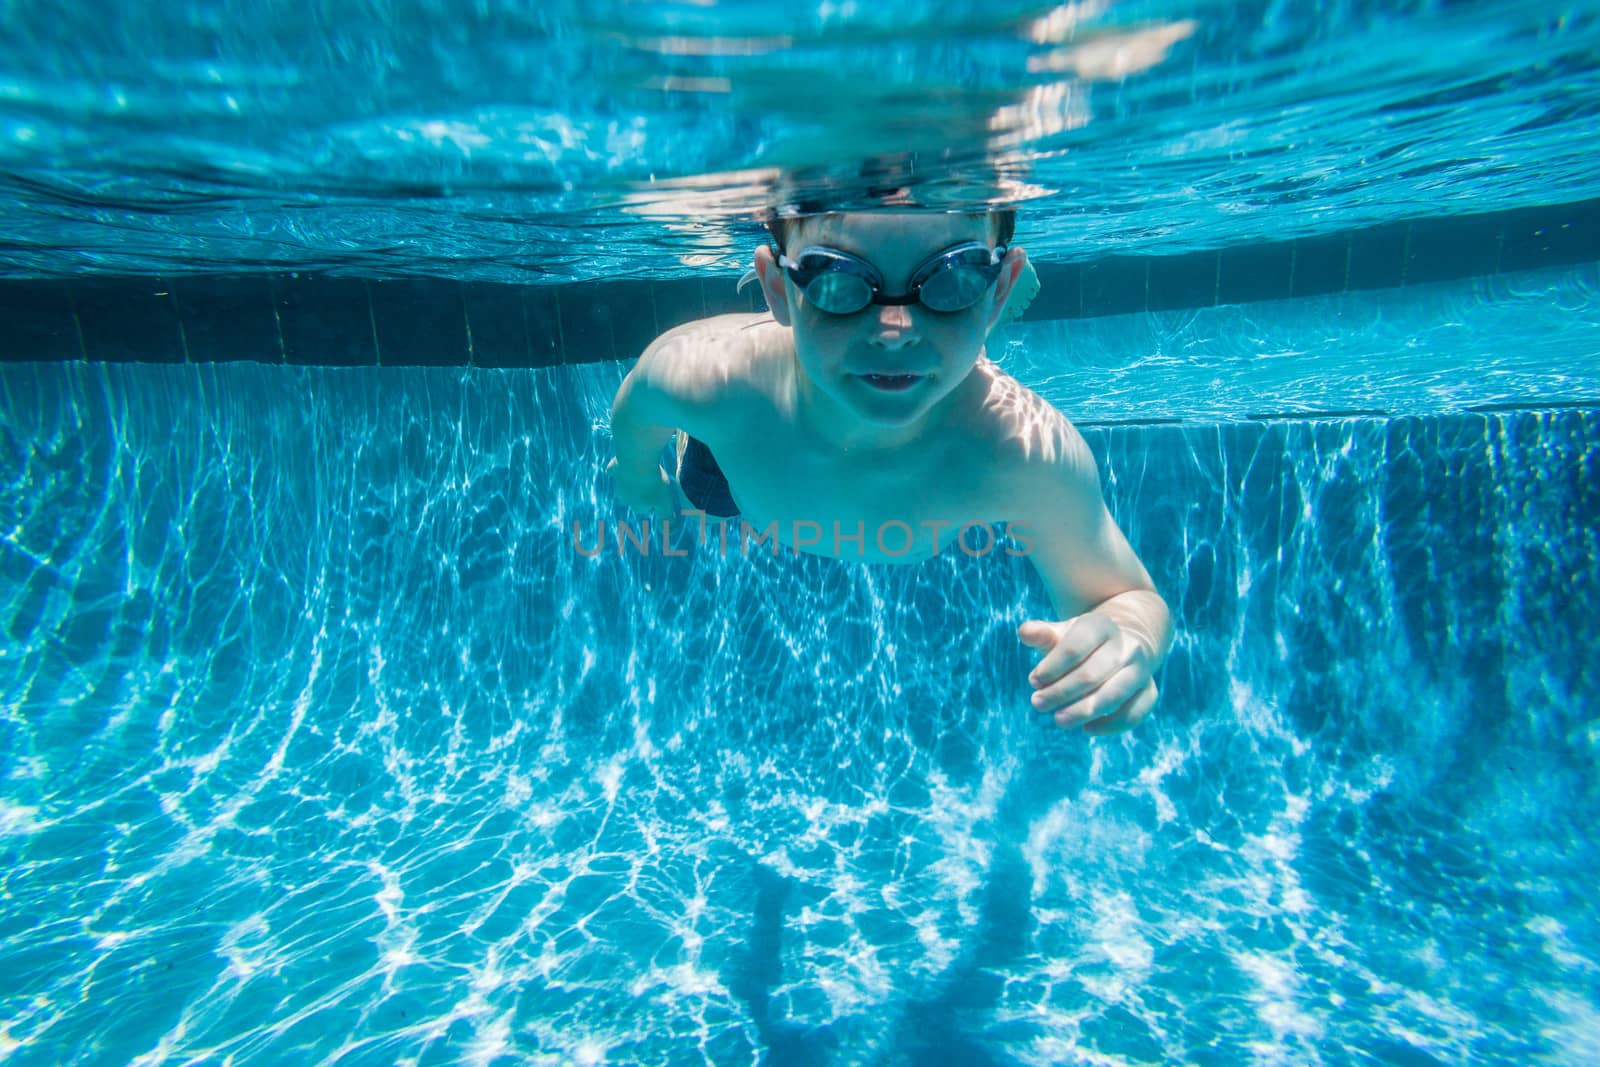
(420, 322)
(497, 324)
(228, 319)
(587, 334)
(317, 319)
(677, 301)
(542, 314)
(633, 320)
(1377, 257)
(1060, 292)
(1256, 272)
(1187, 281)
(720, 294)
(1114, 286)
(1321, 265)
(39, 321)
(128, 320)
(1543, 237)
(325, 321)
(1442, 249)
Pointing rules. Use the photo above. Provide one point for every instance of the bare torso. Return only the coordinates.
(916, 498)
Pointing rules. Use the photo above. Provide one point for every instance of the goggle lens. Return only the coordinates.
(841, 284)
(838, 292)
(956, 287)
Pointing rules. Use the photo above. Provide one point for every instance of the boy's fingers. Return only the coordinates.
(1076, 640)
(1084, 678)
(1118, 690)
(1126, 717)
(1037, 634)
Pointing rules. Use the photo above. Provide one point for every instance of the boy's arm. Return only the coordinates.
(644, 414)
(1111, 629)
(670, 388)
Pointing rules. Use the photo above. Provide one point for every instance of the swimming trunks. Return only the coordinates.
(702, 481)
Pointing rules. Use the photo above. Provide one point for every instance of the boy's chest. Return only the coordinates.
(880, 509)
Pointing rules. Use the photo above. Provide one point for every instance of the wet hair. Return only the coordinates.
(780, 227)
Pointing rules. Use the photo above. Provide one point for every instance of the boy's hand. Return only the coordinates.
(652, 496)
(1092, 675)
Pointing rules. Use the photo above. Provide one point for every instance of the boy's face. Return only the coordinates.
(929, 353)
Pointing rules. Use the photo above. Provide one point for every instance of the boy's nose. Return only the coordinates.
(893, 326)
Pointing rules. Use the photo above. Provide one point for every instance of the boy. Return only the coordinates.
(863, 405)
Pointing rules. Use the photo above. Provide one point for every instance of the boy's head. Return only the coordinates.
(1002, 226)
(890, 308)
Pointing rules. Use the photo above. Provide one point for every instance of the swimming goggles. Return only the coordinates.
(842, 284)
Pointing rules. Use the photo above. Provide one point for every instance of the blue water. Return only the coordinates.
(1525, 339)
(321, 741)
(585, 139)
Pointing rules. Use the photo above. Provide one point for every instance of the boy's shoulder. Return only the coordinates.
(1028, 442)
(1010, 412)
(715, 371)
(718, 329)
(707, 355)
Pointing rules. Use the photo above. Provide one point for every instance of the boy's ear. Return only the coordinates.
(772, 286)
(1010, 270)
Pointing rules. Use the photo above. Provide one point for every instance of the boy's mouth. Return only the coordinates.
(891, 382)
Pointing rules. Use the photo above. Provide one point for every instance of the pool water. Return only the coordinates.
(324, 744)
(587, 139)
(323, 740)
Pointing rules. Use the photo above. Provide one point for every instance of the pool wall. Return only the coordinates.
(317, 733)
(324, 732)
(323, 318)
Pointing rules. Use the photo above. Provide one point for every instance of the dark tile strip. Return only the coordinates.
(1321, 265)
(1257, 272)
(633, 326)
(40, 322)
(677, 301)
(418, 323)
(183, 335)
(227, 319)
(1060, 292)
(545, 341)
(1442, 249)
(326, 321)
(1550, 236)
(586, 317)
(496, 318)
(1534, 405)
(1114, 286)
(277, 320)
(1173, 282)
(1378, 257)
(127, 320)
(319, 319)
